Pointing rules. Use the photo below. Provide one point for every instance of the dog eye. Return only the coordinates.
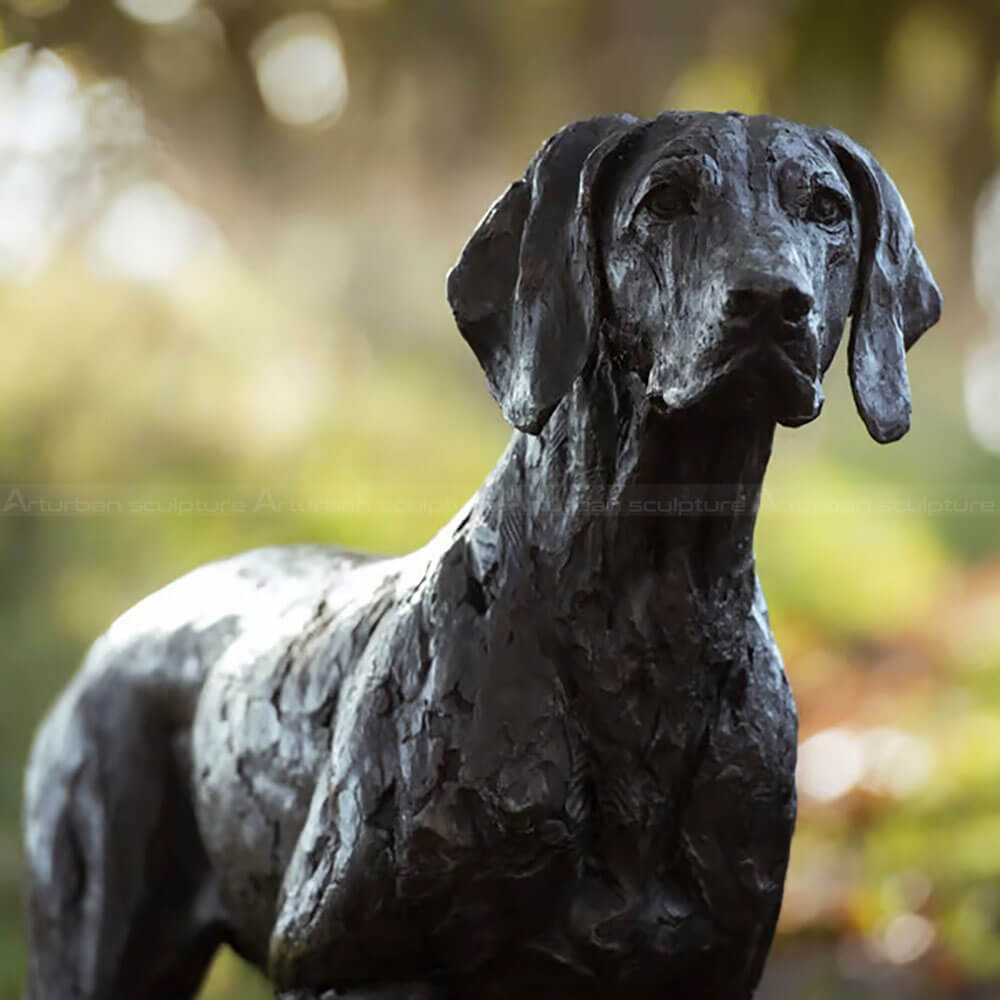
(669, 201)
(828, 207)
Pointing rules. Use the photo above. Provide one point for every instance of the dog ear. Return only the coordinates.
(896, 298)
(525, 289)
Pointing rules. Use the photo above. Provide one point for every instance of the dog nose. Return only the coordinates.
(752, 298)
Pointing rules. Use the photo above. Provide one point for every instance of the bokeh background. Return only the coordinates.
(224, 229)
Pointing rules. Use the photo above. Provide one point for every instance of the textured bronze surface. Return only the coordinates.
(551, 754)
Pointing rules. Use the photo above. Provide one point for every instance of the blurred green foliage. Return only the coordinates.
(290, 374)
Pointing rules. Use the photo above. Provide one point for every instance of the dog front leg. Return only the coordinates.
(336, 921)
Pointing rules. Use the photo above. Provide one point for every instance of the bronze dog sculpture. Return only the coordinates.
(552, 753)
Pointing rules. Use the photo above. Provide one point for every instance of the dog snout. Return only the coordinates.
(761, 296)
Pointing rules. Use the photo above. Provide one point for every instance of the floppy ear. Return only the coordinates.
(525, 289)
(896, 298)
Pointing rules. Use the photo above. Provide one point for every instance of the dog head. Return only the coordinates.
(717, 253)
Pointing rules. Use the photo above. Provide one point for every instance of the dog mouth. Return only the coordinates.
(756, 367)
(797, 386)
(783, 360)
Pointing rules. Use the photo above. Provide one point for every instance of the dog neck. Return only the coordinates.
(615, 497)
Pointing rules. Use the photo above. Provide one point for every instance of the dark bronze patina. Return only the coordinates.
(551, 754)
